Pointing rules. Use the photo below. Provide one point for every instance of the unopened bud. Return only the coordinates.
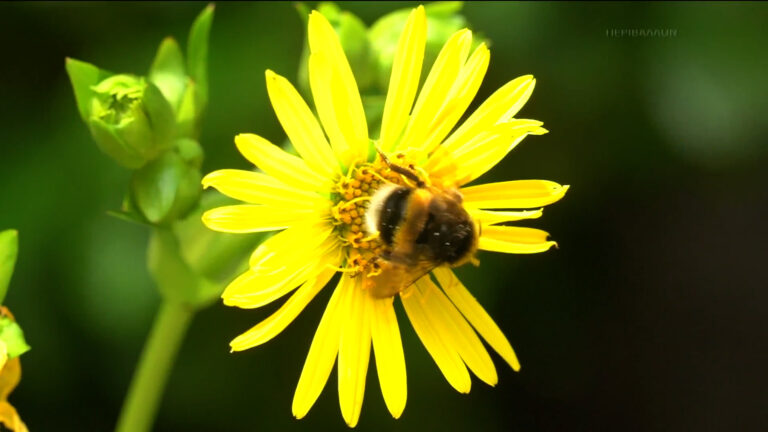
(166, 188)
(129, 118)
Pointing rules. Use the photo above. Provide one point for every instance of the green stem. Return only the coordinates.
(144, 395)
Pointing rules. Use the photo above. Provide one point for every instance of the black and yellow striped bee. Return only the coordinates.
(423, 226)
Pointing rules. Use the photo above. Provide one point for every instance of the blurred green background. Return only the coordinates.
(650, 316)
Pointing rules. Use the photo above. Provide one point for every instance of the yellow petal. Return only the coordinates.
(280, 249)
(454, 331)
(466, 162)
(262, 285)
(322, 353)
(257, 188)
(501, 106)
(301, 126)
(390, 361)
(436, 89)
(285, 167)
(248, 218)
(3, 354)
(278, 321)
(404, 81)
(488, 217)
(460, 96)
(324, 84)
(512, 129)
(347, 104)
(514, 240)
(513, 194)
(476, 315)
(10, 377)
(277, 265)
(447, 359)
(251, 290)
(354, 352)
(10, 418)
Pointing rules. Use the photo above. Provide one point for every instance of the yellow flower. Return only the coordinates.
(319, 201)
(10, 375)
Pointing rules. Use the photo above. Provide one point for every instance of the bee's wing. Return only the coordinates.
(396, 277)
(411, 267)
(418, 271)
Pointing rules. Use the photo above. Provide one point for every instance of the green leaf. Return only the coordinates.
(175, 279)
(160, 116)
(188, 193)
(166, 188)
(168, 72)
(444, 8)
(127, 217)
(129, 213)
(190, 151)
(9, 248)
(186, 115)
(197, 55)
(83, 76)
(154, 186)
(303, 10)
(354, 38)
(112, 144)
(330, 11)
(13, 337)
(303, 74)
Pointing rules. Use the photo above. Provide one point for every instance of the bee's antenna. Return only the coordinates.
(407, 173)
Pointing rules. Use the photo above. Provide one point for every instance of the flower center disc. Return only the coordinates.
(353, 194)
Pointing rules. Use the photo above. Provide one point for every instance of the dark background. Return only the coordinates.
(650, 316)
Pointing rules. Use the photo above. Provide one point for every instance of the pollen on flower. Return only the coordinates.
(352, 195)
(397, 223)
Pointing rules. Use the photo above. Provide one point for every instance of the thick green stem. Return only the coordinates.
(155, 364)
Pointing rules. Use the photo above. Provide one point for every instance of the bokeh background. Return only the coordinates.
(652, 315)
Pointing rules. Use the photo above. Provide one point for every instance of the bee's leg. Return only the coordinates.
(345, 204)
(403, 171)
(423, 173)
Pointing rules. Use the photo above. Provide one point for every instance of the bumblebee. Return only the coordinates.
(423, 227)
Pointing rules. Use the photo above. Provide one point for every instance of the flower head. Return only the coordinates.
(333, 204)
(11, 346)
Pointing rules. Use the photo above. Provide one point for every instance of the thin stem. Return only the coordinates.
(157, 358)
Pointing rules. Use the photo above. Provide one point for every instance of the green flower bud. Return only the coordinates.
(185, 83)
(168, 187)
(168, 72)
(135, 119)
(130, 120)
(443, 19)
(157, 204)
(190, 151)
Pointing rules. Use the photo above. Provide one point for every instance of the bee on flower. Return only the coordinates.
(392, 214)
